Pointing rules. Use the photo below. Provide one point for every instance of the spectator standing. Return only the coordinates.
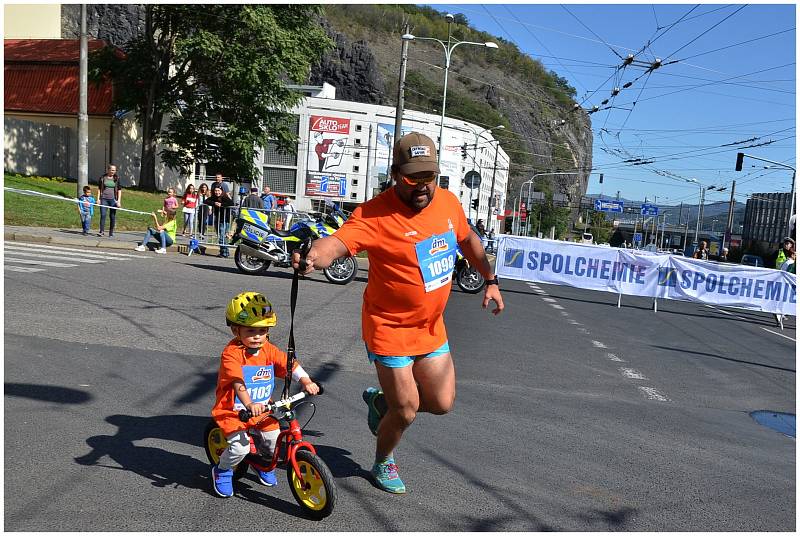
(288, 207)
(86, 208)
(222, 184)
(481, 228)
(782, 254)
(221, 205)
(170, 202)
(165, 233)
(253, 200)
(110, 194)
(724, 256)
(267, 199)
(702, 251)
(189, 208)
(202, 212)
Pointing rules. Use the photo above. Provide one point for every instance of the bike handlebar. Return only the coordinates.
(245, 414)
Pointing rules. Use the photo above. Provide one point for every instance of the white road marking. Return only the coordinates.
(779, 334)
(73, 257)
(653, 394)
(59, 248)
(632, 374)
(598, 344)
(564, 313)
(41, 263)
(585, 331)
(613, 357)
(574, 322)
(556, 306)
(24, 269)
(549, 300)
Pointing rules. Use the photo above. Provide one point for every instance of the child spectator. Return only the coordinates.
(248, 355)
(86, 209)
(171, 202)
(189, 208)
(165, 233)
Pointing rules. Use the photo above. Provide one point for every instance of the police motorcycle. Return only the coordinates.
(467, 277)
(258, 244)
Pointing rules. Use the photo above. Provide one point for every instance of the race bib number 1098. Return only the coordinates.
(437, 258)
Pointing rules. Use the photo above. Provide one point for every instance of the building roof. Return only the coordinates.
(41, 76)
(47, 50)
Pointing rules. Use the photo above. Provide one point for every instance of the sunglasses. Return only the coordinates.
(416, 181)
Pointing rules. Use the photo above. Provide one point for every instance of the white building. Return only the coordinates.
(344, 150)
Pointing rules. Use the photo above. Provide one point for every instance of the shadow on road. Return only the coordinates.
(274, 274)
(684, 351)
(46, 393)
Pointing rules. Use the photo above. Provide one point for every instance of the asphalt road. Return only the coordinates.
(571, 414)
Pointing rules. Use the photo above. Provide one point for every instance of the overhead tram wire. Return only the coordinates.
(537, 40)
(738, 44)
(592, 32)
(705, 32)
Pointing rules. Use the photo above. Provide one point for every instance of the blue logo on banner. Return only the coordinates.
(514, 258)
(667, 277)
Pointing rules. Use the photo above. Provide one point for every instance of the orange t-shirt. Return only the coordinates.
(398, 317)
(233, 358)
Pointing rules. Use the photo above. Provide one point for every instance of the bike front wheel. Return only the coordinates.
(317, 495)
(342, 270)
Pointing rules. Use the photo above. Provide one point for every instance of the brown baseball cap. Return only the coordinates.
(414, 153)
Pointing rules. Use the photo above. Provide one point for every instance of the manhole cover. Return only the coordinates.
(784, 423)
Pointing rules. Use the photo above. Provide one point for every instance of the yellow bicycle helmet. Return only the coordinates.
(251, 309)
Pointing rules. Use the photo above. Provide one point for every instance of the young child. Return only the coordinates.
(86, 209)
(249, 362)
(165, 233)
(170, 202)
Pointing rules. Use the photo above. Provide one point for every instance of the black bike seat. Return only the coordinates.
(282, 233)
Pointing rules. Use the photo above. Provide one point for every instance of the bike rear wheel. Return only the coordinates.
(318, 496)
(215, 444)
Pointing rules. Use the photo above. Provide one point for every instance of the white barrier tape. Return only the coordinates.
(76, 201)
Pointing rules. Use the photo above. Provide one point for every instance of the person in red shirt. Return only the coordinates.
(247, 371)
(410, 232)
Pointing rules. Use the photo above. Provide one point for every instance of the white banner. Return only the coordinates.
(640, 273)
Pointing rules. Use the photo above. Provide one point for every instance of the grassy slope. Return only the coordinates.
(28, 210)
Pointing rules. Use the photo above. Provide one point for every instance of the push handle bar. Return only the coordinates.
(245, 414)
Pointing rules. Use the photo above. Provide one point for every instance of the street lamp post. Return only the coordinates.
(697, 227)
(530, 185)
(740, 158)
(448, 50)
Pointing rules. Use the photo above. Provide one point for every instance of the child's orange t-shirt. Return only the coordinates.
(233, 358)
(398, 316)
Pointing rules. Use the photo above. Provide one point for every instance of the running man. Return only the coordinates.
(410, 232)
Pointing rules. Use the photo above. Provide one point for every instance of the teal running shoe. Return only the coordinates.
(386, 477)
(374, 415)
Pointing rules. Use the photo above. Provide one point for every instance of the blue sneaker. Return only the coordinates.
(374, 416)
(386, 477)
(223, 481)
(267, 478)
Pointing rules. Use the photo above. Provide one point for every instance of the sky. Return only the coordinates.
(730, 86)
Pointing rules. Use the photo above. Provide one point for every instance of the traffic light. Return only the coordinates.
(464, 152)
(475, 203)
(601, 178)
(739, 160)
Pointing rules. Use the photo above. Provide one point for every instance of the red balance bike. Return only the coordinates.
(310, 479)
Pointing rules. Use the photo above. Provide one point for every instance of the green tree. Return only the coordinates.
(219, 73)
(600, 227)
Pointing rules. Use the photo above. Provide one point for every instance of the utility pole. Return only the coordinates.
(699, 215)
(726, 236)
(491, 191)
(83, 115)
(401, 85)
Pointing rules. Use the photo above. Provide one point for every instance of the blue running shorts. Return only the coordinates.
(400, 361)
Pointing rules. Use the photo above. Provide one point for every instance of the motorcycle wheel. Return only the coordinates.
(215, 443)
(250, 265)
(469, 280)
(342, 270)
(318, 496)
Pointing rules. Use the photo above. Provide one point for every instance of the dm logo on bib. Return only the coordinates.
(438, 245)
(263, 374)
(514, 258)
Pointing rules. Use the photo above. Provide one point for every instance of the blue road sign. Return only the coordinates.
(649, 210)
(637, 237)
(608, 206)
